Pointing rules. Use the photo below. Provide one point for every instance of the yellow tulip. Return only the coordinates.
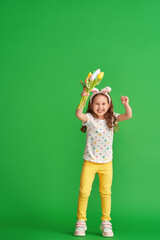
(100, 75)
(89, 74)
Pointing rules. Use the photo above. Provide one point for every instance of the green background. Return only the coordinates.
(47, 47)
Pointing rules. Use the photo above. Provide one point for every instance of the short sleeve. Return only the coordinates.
(116, 114)
(90, 118)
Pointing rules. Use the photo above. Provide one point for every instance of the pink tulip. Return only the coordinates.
(92, 77)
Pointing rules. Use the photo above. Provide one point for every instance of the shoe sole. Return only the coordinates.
(79, 235)
(107, 235)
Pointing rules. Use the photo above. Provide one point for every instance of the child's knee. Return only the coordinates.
(105, 192)
(85, 193)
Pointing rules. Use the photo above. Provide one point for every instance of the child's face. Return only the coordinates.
(100, 105)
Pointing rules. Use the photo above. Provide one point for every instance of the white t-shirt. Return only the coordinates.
(99, 140)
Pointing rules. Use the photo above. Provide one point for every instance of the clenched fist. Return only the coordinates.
(84, 93)
(124, 100)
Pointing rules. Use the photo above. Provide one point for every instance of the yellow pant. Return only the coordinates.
(105, 173)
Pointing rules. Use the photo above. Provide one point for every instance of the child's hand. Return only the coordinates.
(124, 100)
(84, 93)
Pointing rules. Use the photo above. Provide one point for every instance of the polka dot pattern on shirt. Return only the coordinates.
(99, 139)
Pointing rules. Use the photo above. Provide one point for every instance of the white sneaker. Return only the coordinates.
(81, 227)
(106, 227)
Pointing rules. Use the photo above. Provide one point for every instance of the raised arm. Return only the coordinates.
(128, 114)
(79, 112)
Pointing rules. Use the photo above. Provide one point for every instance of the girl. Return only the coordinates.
(99, 123)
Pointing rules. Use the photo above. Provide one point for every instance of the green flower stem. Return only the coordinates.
(88, 89)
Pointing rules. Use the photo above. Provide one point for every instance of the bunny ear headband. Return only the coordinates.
(104, 91)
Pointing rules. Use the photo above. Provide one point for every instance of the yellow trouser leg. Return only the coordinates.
(105, 173)
(87, 177)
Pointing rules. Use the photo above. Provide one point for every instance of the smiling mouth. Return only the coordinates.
(100, 111)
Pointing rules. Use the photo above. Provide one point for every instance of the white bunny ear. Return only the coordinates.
(106, 89)
(94, 90)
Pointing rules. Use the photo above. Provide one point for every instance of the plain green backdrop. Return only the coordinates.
(47, 47)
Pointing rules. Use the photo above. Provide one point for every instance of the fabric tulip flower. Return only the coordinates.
(92, 77)
(89, 74)
(100, 75)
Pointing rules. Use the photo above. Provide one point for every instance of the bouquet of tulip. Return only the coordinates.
(91, 81)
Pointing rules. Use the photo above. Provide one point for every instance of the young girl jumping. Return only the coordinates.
(99, 123)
